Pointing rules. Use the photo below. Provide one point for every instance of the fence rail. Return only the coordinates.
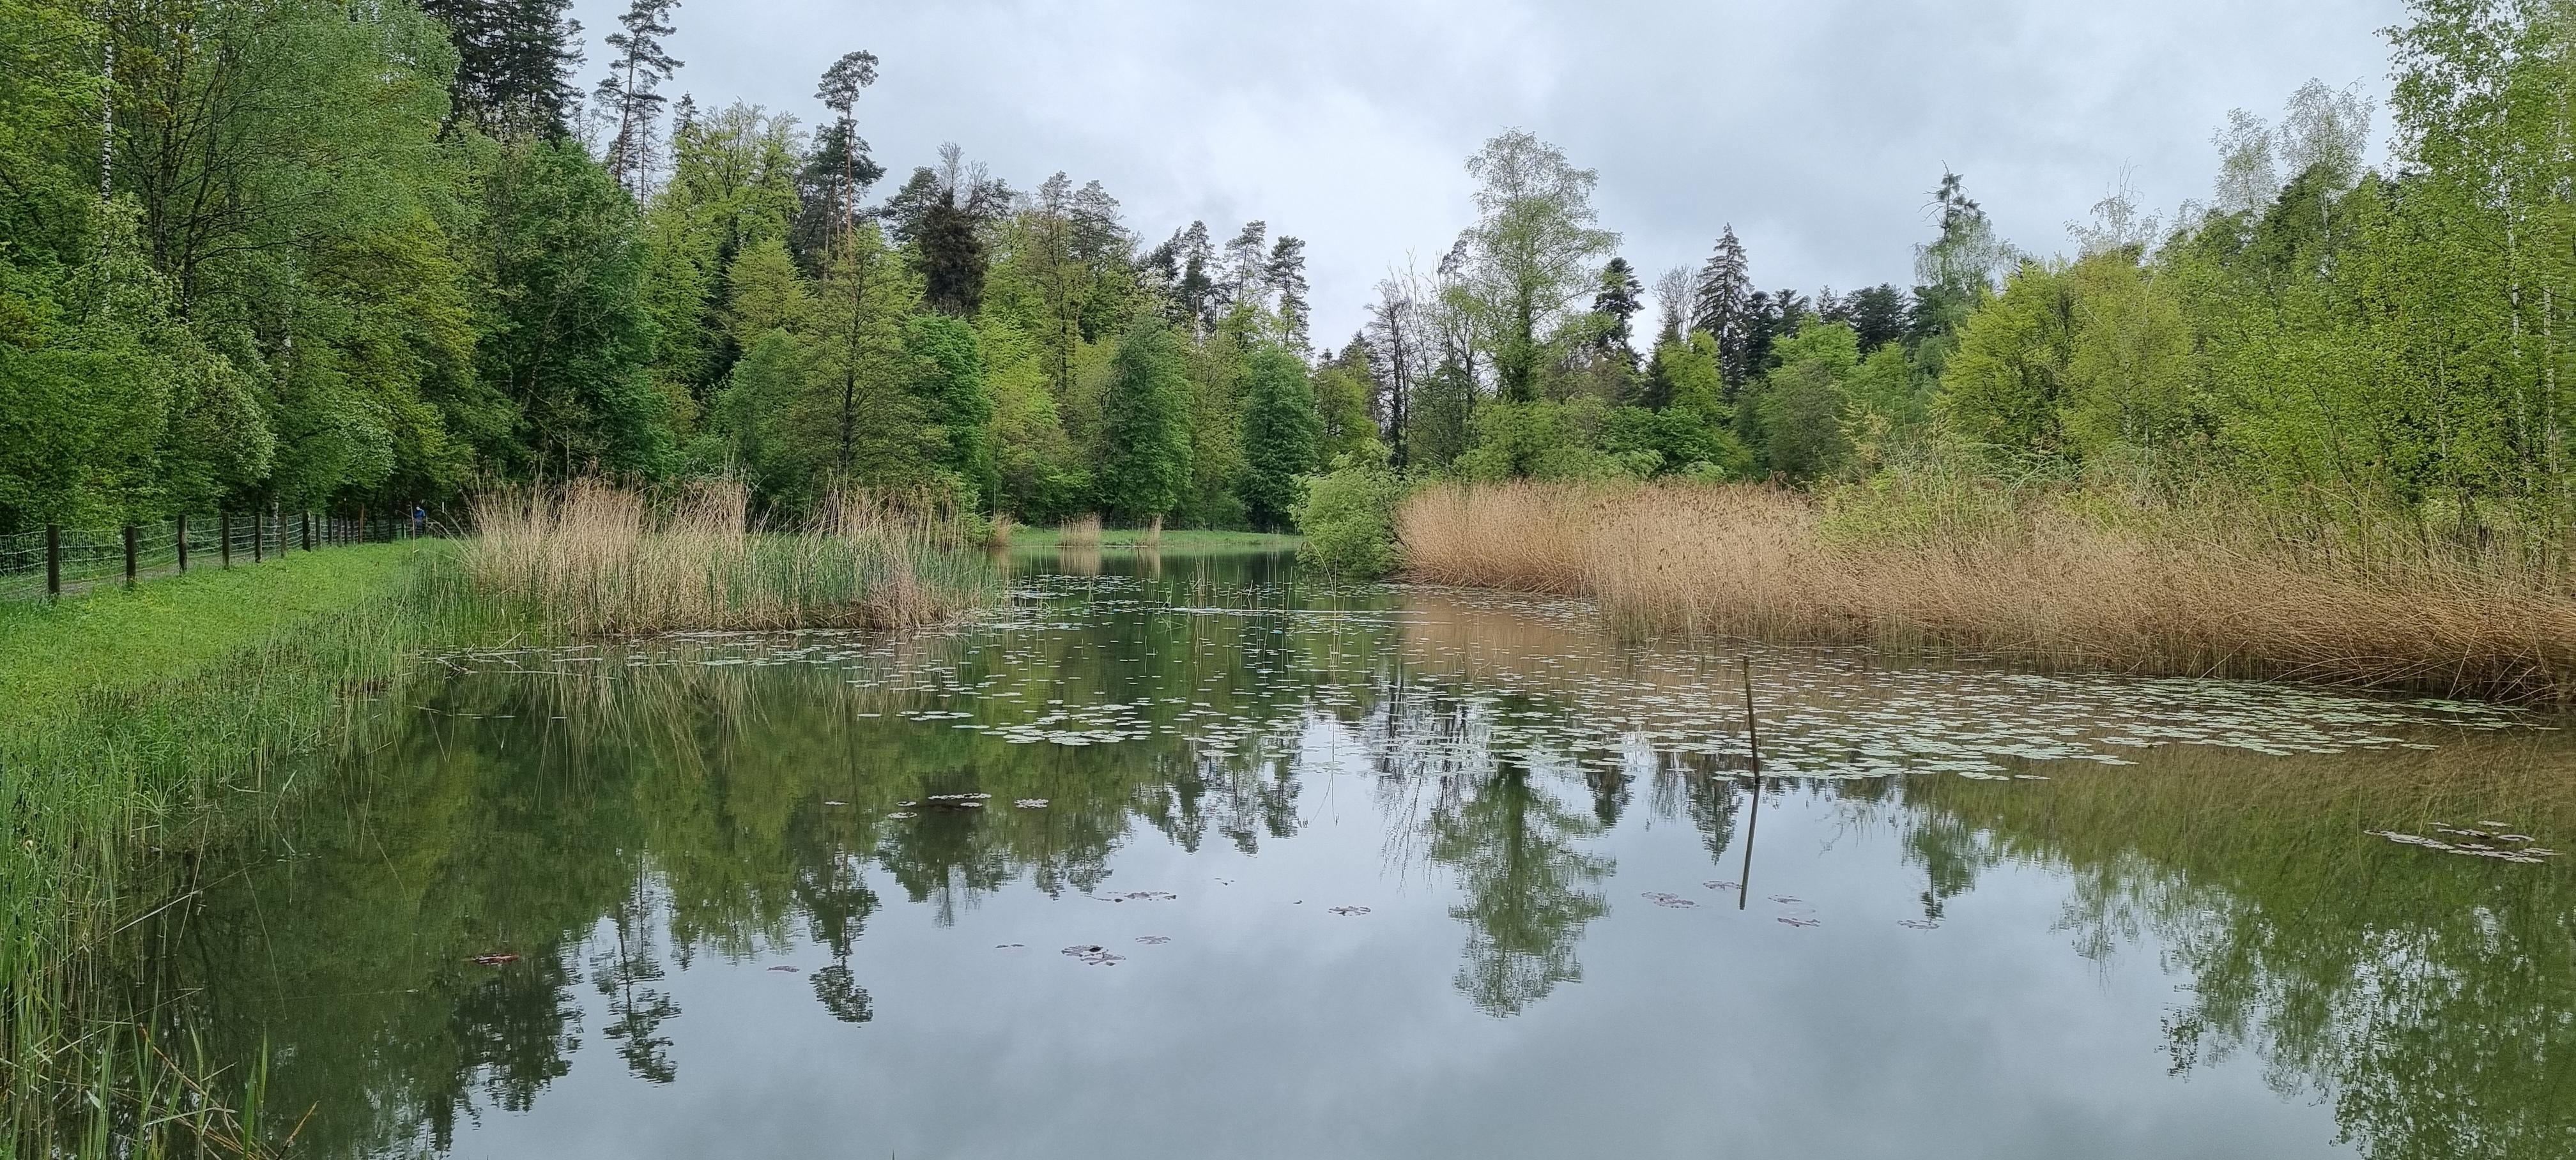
(53, 561)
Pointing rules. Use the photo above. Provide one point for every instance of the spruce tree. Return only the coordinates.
(1722, 304)
(1620, 298)
(514, 64)
(941, 214)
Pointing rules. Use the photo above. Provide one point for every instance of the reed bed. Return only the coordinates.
(2057, 580)
(1081, 532)
(589, 559)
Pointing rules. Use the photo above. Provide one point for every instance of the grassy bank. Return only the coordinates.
(136, 721)
(138, 728)
(2072, 579)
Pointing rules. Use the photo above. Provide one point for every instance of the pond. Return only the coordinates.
(1197, 856)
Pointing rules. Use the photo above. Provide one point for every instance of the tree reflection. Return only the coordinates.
(2426, 997)
(1529, 892)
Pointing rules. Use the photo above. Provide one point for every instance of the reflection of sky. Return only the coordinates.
(1270, 1027)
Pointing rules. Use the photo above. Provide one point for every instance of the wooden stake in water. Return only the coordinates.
(1753, 812)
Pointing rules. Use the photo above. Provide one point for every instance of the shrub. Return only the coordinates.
(1348, 517)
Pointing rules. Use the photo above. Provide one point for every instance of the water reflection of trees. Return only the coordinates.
(2425, 997)
(688, 811)
(1500, 830)
(610, 824)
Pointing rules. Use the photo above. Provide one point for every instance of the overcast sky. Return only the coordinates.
(1817, 127)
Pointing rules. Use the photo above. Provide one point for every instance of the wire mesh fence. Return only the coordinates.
(52, 561)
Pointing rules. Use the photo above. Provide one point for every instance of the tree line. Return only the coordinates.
(324, 255)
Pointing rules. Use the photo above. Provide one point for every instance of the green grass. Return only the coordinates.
(151, 719)
(115, 639)
(1173, 541)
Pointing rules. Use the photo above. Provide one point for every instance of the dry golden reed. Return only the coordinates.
(2064, 581)
(592, 559)
(1079, 532)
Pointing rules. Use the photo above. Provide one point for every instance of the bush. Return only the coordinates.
(1348, 517)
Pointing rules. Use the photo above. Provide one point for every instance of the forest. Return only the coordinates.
(320, 254)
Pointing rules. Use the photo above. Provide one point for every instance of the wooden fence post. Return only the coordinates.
(306, 519)
(224, 536)
(53, 560)
(258, 535)
(129, 555)
(183, 545)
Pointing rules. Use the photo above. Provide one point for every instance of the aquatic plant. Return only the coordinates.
(2053, 578)
(1079, 532)
(590, 559)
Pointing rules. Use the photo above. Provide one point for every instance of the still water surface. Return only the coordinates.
(1192, 856)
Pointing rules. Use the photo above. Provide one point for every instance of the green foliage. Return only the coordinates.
(1535, 254)
(565, 334)
(1145, 425)
(1279, 435)
(1802, 406)
(1347, 517)
(955, 398)
(2005, 384)
(1548, 440)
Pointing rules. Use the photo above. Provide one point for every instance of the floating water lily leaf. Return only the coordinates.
(2527, 855)
(1675, 901)
(1346, 910)
(1794, 921)
(1095, 955)
(1140, 896)
(1912, 923)
(1153, 940)
(787, 970)
(1722, 885)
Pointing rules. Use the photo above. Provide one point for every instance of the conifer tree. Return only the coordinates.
(1620, 298)
(1722, 305)
(514, 65)
(628, 93)
(840, 168)
(1286, 274)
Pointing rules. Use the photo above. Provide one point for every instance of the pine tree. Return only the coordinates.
(1246, 280)
(1185, 268)
(1286, 275)
(840, 168)
(627, 92)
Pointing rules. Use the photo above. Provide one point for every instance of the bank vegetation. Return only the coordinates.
(2122, 579)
